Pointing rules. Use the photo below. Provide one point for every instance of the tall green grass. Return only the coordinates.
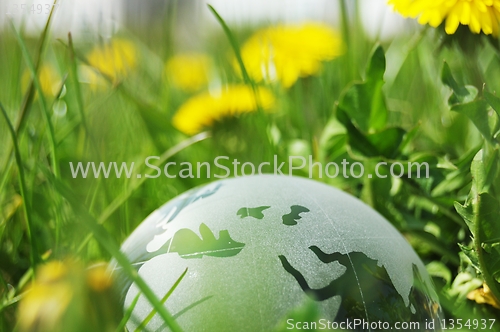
(438, 102)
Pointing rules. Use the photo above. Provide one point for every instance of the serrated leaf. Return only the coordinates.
(493, 259)
(477, 112)
(465, 211)
(471, 254)
(461, 94)
(489, 216)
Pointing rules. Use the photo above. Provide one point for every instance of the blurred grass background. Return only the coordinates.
(111, 97)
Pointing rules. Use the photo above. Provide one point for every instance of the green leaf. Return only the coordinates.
(484, 169)
(477, 112)
(492, 169)
(487, 228)
(408, 138)
(376, 191)
(465, 161)
(478, 174)
(489, 217)
(383, 143)
(365, 102)
(435, 244)
(465, 211)
(471, 254)
(363, 112)
(332, 141)
(453, 181)
(461, 94)
(355, 137)
(438, 269)
(493, 100)
(463, 284)
(387, 141)
(376, 66)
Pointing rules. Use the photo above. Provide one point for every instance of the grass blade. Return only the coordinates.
(22, 185)
(124, 196)
(127, 314)
(151, 114)
(28, 98)
(153, 312)
(31, 88)
(234, 45)
(108, 243)
(41, 98)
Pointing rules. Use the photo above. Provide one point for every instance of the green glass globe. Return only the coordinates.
(255, 248)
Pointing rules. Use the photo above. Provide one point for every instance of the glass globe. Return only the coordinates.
(255, 248)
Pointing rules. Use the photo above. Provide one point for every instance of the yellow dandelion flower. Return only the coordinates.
(189, 72)
(205, 109)
(285, 52)
(479, 15)
(114, 60)
(50, 81)
(47, 300)
(484, 295)
(91, 76)
(67, 297)
(99, 278)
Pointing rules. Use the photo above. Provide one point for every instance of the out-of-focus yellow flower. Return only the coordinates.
(50, 81)
(205, 109)
(67, 297)
(288, 52)
(189, 72)
(47, 300)
(99, 279)
(483, 295)
(479, 15)
(115, 59)
(91, 76)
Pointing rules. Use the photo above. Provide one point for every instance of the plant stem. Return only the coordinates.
(478, 242)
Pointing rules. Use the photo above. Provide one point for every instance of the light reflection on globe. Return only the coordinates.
(257, 247)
